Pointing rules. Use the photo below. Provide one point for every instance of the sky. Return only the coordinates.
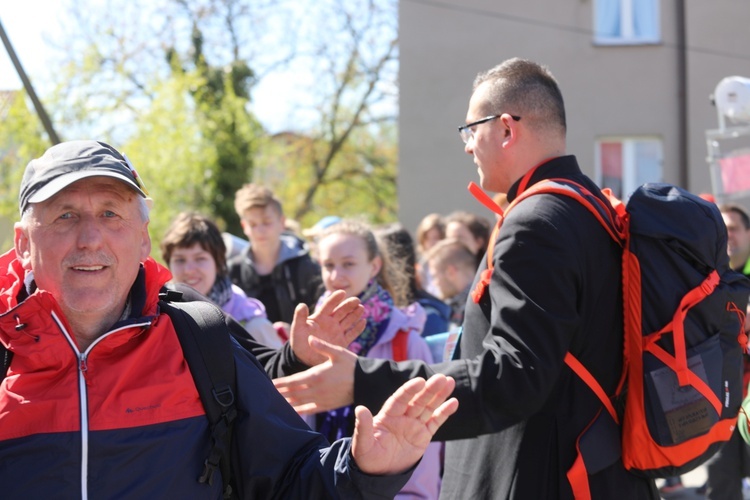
(29, 24)
(25, 22)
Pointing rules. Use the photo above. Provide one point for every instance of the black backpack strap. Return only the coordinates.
(207, 347)
(5, 357)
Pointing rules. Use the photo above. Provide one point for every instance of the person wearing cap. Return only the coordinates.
(97, 400)
(527, 426)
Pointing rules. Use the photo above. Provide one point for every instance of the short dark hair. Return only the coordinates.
(189, 228)
(737, 209)
(527, 89)
(479, 227)
(451, 251)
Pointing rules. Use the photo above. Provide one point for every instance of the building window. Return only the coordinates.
(618, 22)
(624, 164)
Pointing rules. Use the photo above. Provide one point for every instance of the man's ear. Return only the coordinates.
(510, 129)
(21, 245)
(145, 243)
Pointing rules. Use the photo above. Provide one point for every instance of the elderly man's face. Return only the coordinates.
(85, 244)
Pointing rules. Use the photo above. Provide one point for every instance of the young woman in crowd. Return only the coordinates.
(352, 260)
(194, 251)
(401, 251)
(430, 230)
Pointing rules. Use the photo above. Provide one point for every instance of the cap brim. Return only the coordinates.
(59, 183)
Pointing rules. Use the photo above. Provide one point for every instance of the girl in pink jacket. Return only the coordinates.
(352, 260)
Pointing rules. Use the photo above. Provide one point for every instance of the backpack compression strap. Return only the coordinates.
(206, 344)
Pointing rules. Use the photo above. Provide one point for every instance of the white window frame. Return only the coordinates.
(627, 34)
(630, 180)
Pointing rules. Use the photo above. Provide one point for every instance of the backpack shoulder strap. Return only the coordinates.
(400, 345)
(610, 214)
(206, 344)
(5, 357)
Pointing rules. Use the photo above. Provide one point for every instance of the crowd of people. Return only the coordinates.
(97, 382)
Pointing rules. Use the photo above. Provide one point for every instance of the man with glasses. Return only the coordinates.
(553, 289)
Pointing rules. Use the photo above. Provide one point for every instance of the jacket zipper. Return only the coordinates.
(83, 396)
(83, 401)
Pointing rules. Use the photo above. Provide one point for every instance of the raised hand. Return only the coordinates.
(338, 321)
(398, 436)
(326, 386)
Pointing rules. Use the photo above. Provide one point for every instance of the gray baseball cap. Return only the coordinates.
(68, 162)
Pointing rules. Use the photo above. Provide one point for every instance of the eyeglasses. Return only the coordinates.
(467, 131)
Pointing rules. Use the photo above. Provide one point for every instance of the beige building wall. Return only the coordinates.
(620, 90)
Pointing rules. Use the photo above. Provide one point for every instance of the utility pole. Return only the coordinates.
(29, 88)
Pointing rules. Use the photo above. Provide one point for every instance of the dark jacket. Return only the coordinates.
(124, 419)
(555, 288)
(438, 313)
(295, 278)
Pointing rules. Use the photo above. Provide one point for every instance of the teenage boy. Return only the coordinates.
(276, 268)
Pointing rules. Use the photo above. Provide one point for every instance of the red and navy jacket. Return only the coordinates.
(124, 420)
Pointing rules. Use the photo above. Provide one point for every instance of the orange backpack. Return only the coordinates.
(684, 339)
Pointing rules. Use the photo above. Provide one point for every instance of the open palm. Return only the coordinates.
(397, 437)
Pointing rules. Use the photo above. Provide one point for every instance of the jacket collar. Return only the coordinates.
(561, 166)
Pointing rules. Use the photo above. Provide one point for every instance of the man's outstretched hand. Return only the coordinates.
(324, 387)
(337, 320)
(397, 437)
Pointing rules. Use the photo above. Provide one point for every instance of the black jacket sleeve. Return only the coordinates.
(277, 362)
(550, 254)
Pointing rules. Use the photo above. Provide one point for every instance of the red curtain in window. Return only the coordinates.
(611, 163)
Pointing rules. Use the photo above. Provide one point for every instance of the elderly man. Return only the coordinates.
(98, 399)
(553, 289)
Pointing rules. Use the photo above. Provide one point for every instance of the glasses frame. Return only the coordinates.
(466, 132)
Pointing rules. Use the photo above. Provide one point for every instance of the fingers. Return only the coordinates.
(324, 387)
(440, 415)
(351, 314)
(301, 312)
(329, 304)
(420, 399)
(363, 438)
(399, 401)
(355, 330)
(327, 349)
(436, 391)
(297, 393)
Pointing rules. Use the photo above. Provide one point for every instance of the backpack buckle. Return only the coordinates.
(225, 396)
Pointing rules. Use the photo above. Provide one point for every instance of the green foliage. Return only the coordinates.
(169, 84)
(22, 138)
(220, 101)
(360, 180)
(170, 153)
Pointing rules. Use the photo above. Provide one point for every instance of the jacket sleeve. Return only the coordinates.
(514, 341)
(277, 362)
(276, 455)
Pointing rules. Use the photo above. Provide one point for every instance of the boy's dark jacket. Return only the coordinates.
(295, 278)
